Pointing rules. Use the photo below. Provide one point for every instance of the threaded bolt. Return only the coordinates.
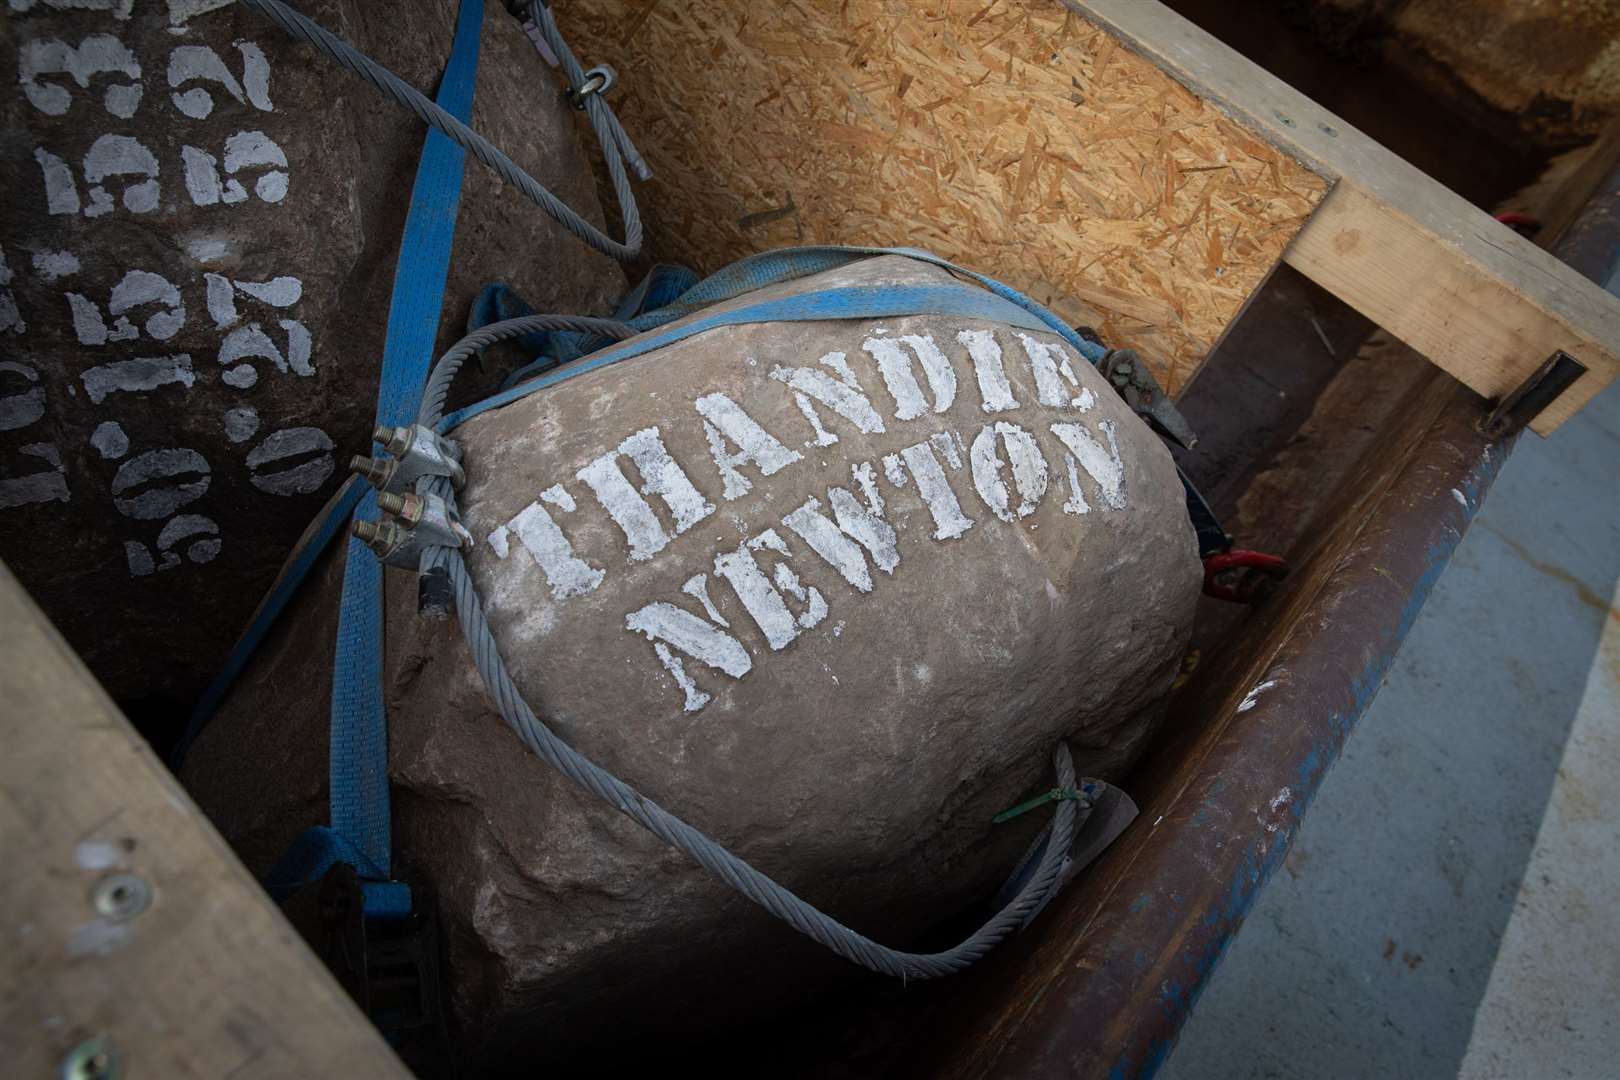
(373, 471)
(380, 536)
(394, 440)
(389, 503)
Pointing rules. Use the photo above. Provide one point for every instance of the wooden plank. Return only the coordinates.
(1471, 295)
(1013, 137)
(207, 979)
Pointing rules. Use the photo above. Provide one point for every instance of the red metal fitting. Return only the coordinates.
(1240, 584)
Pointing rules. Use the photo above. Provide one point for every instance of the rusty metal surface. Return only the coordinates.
(1100, 988)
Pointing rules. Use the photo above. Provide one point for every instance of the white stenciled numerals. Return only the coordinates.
(147, 347)
(250, 156)
(120, 171)
(53, 73)
(196, 74)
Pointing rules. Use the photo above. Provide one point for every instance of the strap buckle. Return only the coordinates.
(389, 966)
(598, 80)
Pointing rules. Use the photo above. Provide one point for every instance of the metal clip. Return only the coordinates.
(411, 524)
(1136, 384)
(417, 452)
(598, 80)
(1525, 403)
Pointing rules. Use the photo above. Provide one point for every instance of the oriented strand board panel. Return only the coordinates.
(1012, 136)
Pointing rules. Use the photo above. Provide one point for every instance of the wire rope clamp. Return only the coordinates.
(598, 80)
(413, 452)
(410, 525)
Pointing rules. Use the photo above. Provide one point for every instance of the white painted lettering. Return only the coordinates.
(995, 393)
(1050, 363)
(842, 395)
(199, 534)
(538, 532)
(109, 440)
(119, 155)
(241, 424)
(137, 376)
(661, 476)
(1102, 465)
(21, 409)
(724, 419)
(762, 598)
(157, 483)
(666, 625)
(119, 9)
(199, 63)
(55, 265)
(935, 489)
(1028, 468)
(61, 191)
(42, 486)
(895, 366)
(293, 461)
(836, 542)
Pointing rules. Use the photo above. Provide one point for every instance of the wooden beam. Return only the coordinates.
(131, 929)
(1468, 293)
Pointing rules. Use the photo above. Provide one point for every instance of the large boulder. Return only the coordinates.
(197, 248)
(832, 591)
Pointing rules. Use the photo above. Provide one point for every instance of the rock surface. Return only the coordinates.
(196, 254)
(837, 637)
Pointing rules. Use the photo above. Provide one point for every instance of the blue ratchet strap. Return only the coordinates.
(774, 268)
(327, 524)
(359, 833)
(848, 302)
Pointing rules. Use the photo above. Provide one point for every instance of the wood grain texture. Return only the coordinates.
(208, 980)
(1014, 137)
(1466, 292)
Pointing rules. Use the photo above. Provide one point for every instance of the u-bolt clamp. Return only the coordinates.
(413, 452)
(411, 524)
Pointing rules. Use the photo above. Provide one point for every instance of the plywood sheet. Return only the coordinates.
(1014, 137)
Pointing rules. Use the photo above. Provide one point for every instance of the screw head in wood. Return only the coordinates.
(121, 896)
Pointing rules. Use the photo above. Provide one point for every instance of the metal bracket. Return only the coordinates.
(1126, 372)
(1533, 395)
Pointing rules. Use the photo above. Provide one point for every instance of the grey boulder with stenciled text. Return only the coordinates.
(831, 591)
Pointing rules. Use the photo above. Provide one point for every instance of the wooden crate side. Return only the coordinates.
(183, 966)
(1469, 294)
(1016, 138)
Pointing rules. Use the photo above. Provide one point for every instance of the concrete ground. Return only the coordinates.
(1451, 906)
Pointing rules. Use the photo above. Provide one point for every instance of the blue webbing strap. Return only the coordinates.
(327, 524)
(359, 833)
(773, 268)
(848, 302)
(662, 285)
